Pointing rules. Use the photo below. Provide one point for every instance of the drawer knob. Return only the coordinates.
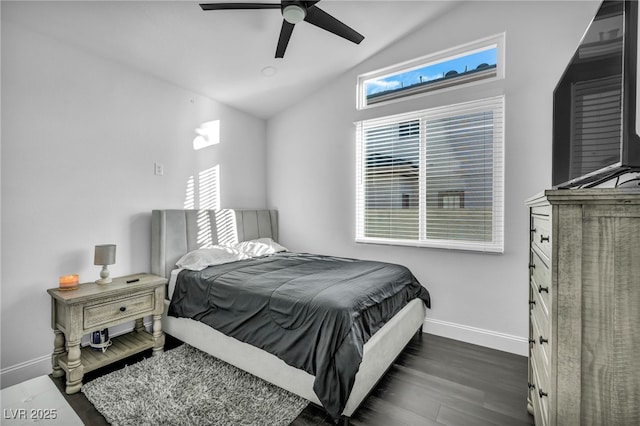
(543, 238)
(541, 393)
(531, 385)
(532, 341)
(532, 266)
(543, 340)
(541, 289)
(123, 308)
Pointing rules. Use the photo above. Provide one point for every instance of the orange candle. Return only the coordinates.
(68, 282)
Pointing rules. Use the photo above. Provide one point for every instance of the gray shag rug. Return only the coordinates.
(185, 386)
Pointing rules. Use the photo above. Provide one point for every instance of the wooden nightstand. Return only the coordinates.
(97, 306)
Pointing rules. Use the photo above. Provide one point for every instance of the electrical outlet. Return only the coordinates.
(158, 169)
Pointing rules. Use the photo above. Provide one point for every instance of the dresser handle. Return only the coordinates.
(531, 385)
(541, 393)
(531, 303)
(532, 230)
(543, 340)
(543, 238)
(541, 289)
(532, 341)
(532, 266)
(123, 308)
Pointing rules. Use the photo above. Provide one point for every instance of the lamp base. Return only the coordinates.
(104, 276)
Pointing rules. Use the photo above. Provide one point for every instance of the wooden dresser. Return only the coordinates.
(584, 298)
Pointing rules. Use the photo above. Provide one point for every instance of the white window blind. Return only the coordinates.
(433, 177)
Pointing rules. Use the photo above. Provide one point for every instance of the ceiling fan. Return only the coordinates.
(294, 12)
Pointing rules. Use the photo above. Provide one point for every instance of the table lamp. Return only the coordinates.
(105, 254)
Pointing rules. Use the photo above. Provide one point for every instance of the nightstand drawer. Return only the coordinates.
(116, 310)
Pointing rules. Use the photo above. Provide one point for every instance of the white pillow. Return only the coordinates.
(197, 260)
(259, 247)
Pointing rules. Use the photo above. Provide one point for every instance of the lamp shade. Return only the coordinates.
(105, 254)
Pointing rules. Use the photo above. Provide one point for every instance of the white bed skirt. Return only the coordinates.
(379, 353)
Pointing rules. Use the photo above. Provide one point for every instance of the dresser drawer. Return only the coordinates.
(541, 349)
(539, 309)
(541, 234)
(541, 279)
(542, 210)
(540, 399)
(116, 310)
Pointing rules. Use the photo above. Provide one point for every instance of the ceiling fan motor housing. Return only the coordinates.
(293, 11)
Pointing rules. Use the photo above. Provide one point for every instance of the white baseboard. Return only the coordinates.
(478, 336)
(40, 366)
(18, 373)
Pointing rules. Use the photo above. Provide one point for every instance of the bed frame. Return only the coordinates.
(175, 232)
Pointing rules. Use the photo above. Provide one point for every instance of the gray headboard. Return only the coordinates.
(176, 232)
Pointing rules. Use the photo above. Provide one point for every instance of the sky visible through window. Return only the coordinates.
(432, 71)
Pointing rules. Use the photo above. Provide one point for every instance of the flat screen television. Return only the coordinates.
(595, 115)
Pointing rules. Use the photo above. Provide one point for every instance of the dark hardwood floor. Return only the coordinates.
(439, 381)
(434, 381)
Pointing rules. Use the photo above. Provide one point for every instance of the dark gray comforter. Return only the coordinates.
(314, 312)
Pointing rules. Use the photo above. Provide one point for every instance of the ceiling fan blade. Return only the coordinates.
(283, 41)
(322, 19)
(236, 6)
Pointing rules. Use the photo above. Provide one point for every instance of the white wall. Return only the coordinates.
(80, 136)
(480, 298)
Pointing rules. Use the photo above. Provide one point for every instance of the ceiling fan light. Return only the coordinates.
(293, 13)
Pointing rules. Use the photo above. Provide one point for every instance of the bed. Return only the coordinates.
(177, 232)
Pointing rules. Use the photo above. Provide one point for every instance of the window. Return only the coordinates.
(433, 177)
(463, 65)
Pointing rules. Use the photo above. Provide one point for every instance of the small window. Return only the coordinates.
(406, 201)
(451, 199)
(463, 65)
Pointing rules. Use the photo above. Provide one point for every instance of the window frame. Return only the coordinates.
(496, 245)
(497, 40)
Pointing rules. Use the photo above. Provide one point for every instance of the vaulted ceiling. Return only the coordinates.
(226, 55)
